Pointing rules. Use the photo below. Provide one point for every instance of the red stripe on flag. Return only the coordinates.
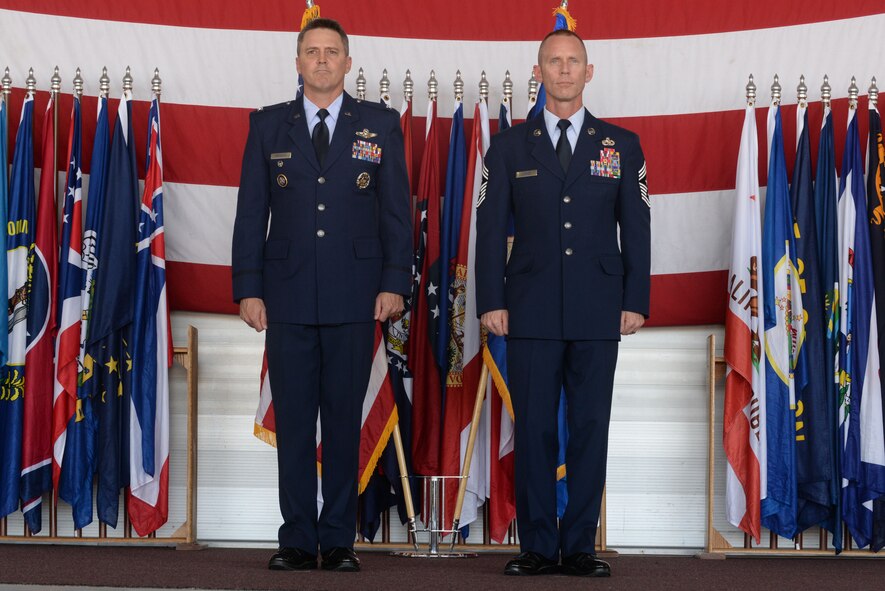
(465, 19)
(688, 298)
(147, 518)
(201, 288)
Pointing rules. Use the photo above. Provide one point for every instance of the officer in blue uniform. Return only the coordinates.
(328, 174)
(571, 287)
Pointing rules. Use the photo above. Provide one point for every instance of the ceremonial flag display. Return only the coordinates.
(70, 282)
(19, 246)
(860, 395)
(41, 324)
(784, 336)
(876, 216)
(464, 344)
(743, 425)
(151, 352)
(814, 427)
(424, 327)
(4, 206)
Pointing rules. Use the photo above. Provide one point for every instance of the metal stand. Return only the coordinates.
(435, 491)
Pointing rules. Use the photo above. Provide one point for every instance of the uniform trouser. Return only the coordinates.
(325, 369)
(538, 370)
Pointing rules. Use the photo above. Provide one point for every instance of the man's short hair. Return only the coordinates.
(562, 33)
(324, 23)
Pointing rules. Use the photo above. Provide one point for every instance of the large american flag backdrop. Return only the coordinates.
(674, 72)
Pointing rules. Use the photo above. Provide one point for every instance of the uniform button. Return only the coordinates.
(569, 252)
(566, 199)
(321, 207)
(567, 225)
(321, 233)
(321, 180)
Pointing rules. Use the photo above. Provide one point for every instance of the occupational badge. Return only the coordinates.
(363, 150)
(362, 181)
(608, 142)
(609, 164)
(366, 134)
(282, 181)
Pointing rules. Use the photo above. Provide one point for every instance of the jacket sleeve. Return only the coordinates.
(395, 205)
(250, 225)
(492, 215)
(634, 221)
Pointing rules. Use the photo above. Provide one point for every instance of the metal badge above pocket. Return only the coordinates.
(363, 180)
(521, 174)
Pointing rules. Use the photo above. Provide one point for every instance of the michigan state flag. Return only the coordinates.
(19, 244)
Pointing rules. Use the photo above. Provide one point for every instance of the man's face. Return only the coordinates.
(322, 62)
(563, 68)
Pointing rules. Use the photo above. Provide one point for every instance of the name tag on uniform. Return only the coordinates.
(281, 155)
(521, 174)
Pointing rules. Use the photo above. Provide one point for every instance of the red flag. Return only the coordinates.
(426, 392)
(70, 284)
(37, 430)
(464, 354)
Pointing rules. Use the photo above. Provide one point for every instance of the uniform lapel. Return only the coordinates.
(586, 148)
(300, 134)
(343, 136)
(541, 146)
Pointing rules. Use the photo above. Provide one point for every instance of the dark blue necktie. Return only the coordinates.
(320, 136)
(563, 146)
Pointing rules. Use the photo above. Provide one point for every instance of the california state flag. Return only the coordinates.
(744, 417)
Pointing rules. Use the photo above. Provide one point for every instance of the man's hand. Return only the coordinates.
(496, 321)
(388, 305)
(252, 311)
(631, 322)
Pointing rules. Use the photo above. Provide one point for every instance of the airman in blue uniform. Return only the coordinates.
(577, 279)
(321, 252)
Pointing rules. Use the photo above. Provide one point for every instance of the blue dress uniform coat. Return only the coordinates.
(580, 256)
(339, 234)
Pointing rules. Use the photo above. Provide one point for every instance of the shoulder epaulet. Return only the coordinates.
(273, 107)
(375, 105)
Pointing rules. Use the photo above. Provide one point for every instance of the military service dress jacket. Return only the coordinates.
(339, 233)
(569, 275)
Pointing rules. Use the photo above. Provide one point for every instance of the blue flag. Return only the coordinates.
(784, 334)
(4, 202)
(825, 203)
(814, 432)
(111, 318)
(19, 244)
(450, 233)
(78, 469)
(876, 215)
(860, 416)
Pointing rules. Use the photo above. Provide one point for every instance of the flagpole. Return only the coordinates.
(407, 489)
(55, 86)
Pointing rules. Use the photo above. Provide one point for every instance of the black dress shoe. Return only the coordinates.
(530, 563)
(292, 559)
(342, 560)
(583, 564)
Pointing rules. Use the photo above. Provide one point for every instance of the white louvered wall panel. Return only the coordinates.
(657, 449)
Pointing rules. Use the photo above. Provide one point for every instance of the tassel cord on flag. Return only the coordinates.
(468, 454)
(407, 489)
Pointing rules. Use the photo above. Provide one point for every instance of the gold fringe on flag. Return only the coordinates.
(572, 23)
(310, 13)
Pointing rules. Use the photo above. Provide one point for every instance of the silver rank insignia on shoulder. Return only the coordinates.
(536, 133)
(362, 181)
(608, 142)
(282, 181)
(366, 134)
